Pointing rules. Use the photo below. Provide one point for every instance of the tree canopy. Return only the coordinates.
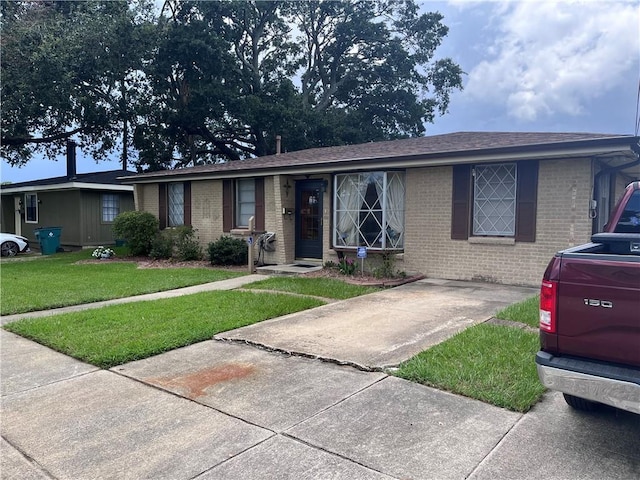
(216, 81)
(71, 70)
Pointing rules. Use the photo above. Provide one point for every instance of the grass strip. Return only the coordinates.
(119, 334)
(58, 281)
(490, 363)
(320, 287)
(527, 311)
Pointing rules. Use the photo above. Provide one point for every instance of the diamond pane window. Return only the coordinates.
(175, 194)
(494, 204)
(369, 210)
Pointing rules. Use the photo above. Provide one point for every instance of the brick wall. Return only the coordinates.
(206, 210)
(146, 198)
(564, 189)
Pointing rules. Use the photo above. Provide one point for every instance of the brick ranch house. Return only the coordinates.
(484, 206)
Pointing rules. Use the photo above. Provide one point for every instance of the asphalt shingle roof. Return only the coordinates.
(459, 144)
(110, 177)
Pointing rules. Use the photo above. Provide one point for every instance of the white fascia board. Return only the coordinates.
(67, 186)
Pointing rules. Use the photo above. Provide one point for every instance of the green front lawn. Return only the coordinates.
(117, 334)
(527, 312)
(58, 281)
(492, 363)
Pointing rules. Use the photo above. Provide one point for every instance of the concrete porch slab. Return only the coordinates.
(289, 269)
(266, 389)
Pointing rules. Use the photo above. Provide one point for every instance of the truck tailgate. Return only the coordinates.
(599, 306)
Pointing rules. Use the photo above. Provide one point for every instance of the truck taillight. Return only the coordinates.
(548, 297)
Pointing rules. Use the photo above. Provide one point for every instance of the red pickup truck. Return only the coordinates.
(590, 315)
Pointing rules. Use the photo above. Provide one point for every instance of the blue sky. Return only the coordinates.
(562, 66)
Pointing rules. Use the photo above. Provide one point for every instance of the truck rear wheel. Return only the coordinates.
(581, 403)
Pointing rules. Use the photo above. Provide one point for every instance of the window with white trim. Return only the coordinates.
(245, 201)
(369, 210)
(31, 207)
(175, 201)
(110, 207)
(494, 200)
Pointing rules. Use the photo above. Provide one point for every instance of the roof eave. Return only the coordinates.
(67, 186)
(577, 149)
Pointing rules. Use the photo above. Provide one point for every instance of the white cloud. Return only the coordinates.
(550, 58)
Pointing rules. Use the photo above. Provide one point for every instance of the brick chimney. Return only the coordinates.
(71, 160)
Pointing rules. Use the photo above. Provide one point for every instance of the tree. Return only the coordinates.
(72, 69)
(217, 81)
(231, 75)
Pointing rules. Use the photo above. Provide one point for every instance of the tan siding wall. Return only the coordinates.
(563, 198)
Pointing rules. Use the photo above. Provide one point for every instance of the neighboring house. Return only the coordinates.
(84, 205)
(470, 205)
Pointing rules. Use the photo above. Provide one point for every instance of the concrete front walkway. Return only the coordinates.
(228, 410)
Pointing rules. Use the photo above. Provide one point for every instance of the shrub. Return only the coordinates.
(386, 269)
(186, 244)
(139, 229)
(330, 264)
(228, 251)
(162, 245)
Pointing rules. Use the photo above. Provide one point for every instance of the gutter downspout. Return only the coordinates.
(636, 149)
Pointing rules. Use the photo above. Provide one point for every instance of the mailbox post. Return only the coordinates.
(250, 242)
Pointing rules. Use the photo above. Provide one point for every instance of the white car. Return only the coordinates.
(12, 244)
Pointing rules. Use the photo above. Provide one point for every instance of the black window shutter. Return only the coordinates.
(162, 205)
(461, 200)
(259, 198)
(526, 201)
(187, 202)
(227, 205)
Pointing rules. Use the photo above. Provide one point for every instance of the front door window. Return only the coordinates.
(309, 219)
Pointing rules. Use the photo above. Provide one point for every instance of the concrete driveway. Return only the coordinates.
(385, 328)
(228, 410)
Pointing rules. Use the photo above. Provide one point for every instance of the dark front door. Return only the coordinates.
(309, 219)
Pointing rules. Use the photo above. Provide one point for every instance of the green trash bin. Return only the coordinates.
(49, 238)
